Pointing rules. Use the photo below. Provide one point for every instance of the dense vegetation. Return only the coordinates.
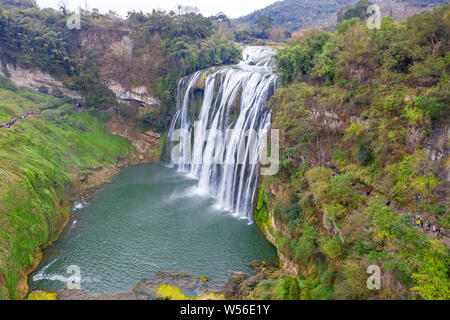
(164, 47)
(39, 157)
(360, 110)
(186, 44)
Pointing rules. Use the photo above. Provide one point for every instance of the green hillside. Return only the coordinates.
(38, 156)
(358, 113)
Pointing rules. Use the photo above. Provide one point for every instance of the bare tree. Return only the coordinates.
(183, 10)
(62, 6)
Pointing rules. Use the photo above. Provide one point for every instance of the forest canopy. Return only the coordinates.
(34, 38)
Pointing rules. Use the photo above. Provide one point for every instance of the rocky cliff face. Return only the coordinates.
(334, 123)
(400, 10)
(126, 69)
(147, 144)
(139, 94)
(35, 79)
(129, 77)
(436, 143)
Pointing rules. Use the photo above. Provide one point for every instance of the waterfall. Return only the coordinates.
(219, 126)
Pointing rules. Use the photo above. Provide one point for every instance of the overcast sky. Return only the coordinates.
(233, 8)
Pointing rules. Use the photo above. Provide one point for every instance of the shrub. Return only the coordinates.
(445, 221)
(297, 59)
(339, 156)
(432, 277)
(52, 115)
(77, 124)
(291, 289)
(365, 155)
(332, 247)
(334, 213)
(412, 176)
(432, 109)
(414, 114)
(43, 89)
(289, 215)
(6, 83)
(353, 131)
(319, 181)
(66, 109)
(58, 93)
(347, 24)
(306, 246)
(343, 191)
(101, 116)
(328, 277)
(439, 209)
(351, 281)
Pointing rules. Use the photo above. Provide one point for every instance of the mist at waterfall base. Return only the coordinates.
(153, 218)
(212, 145)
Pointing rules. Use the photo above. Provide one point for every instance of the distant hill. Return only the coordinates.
(22, 4)
(301, 14)
(298, 14)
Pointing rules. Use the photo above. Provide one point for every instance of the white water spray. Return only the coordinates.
(222, 148)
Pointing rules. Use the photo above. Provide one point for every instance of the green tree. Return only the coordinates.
(432, 276)
(264, 22)
(365, 155)
(291, 289)
(357, 11)
(299, 57)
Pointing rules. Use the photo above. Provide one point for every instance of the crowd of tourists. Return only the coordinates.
(427, 226)
(15, 119)
(420, 222)
(80, 107)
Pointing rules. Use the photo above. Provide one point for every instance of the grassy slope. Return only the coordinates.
(36, 161)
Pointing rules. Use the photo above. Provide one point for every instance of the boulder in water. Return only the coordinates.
(238, 276)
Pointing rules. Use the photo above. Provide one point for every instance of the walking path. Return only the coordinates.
(14, 120)
(428, 227)
(79, 108)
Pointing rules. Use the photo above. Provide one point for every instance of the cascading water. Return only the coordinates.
(221, 149)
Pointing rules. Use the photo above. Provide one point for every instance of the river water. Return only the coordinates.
(150, 219)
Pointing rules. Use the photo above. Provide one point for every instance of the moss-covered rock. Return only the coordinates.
(173, 286)
(42, 295)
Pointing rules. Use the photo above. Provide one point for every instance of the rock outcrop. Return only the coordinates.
(35, 79)
(146, 143)
(138, 94)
